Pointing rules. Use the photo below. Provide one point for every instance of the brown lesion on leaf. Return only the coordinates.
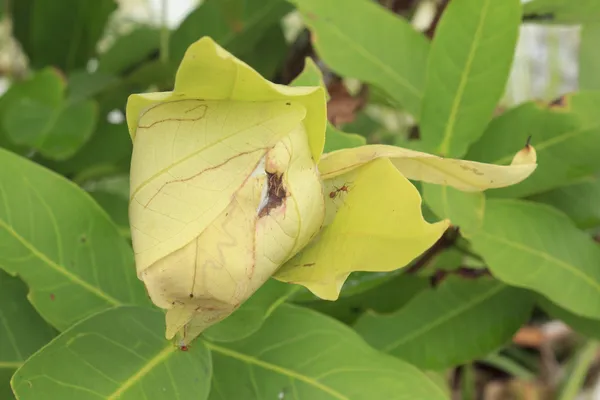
(201, 114)
(471, 169)
(196, 175)
(276, 193)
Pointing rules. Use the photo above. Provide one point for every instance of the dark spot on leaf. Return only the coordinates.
(276, 193)
(191, 295)
(355, 310)
(308, 265)
(83, 239)
(52, 297)
(288, 104)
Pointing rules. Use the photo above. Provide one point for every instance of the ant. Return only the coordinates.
(345, 188)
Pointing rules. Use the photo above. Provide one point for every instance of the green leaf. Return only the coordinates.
(45, 86)
(463, 209)
(83, 85)
(534, 246)
(129, 50)
(585, 326)
(107, 151)
(62, 244)
(22, 330)
(116, 206)
(310, 76)
(269, 54)
(236, 26)
(336, 139)
(468, 67)
(356, 43)
(252, 313)
(566, 137)
(56, 131)
(454, 323)
(383, 298)
(562, 11)
(578, 200)
(116, 354)
(63, 34)
(589, 57)
(302, 354)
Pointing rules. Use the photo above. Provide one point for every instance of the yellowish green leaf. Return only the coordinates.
(370, 227)
(461, 174)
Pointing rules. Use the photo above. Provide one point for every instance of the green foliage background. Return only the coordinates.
(75, 322)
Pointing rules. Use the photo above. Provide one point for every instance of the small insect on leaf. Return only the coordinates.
(345, 188)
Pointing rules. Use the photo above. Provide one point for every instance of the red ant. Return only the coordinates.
(344, 188)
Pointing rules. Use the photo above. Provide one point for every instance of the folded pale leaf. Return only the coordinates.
(224, 185)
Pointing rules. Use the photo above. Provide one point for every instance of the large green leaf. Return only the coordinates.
(252, 313)
(57, 131)
(83, 84)
(562, 11)
(22, 330)
(129, 50)
(451, 324)
(336, 139)
(467, 70)
(107, 152)
(353, 38)
(269, 53)
(45, 86)
(60, 33)
(566, 137)
(62, 244)
(535, 246)
(578, 200)
(117, 354)
(463, 209)
(235, 25)
(301, 354)
(383, 298)
(589, 57)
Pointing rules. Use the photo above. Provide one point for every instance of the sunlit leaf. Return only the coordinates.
(116, 354)
(22, 330)
(376, 228)
(589, 58)
(355, 44)
(304, 355)
(56, 238)
(534, 246)
(578, 200)
(468, 67)
(566, 136)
